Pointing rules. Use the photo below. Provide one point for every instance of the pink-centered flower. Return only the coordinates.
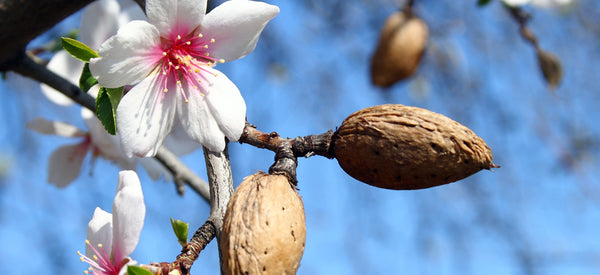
(111, 238)
(171, 60)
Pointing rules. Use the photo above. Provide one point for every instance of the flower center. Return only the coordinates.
(187, 59)
(100, 263)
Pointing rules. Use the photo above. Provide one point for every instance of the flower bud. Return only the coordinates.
(264, 229)
(401, 45)
(400, 147)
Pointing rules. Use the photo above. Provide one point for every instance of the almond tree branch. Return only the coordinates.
(181, 173)
(23, 20)
(220, 182)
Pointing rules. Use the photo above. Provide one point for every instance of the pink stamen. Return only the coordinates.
(188, 60)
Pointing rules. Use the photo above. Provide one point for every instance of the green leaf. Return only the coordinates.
(78, 50)
(482, 3)
(86, 81)
(181, 231)
(136, 270)
(106, 107)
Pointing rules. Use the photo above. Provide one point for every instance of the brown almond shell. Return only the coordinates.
(264, 229)
(399, 50)
(401, 147)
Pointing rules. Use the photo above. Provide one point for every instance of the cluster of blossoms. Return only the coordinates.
(168, 64)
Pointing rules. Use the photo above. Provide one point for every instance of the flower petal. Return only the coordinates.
(128, 215)
(44, 126)
(99, 232)
(64, 164)
(227, 106)
(145, 117)
(99, 21)
(130, 11)
(235, 26)
(173, 17)
(128, 57)
(208, 119)
(178, 142)
(67, 67)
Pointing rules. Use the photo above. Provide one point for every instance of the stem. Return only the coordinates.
(287, 150)
(220, 182)
(25, 66)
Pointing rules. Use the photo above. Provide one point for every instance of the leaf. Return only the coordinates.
(78, 50)
(181, 231)
(86, 81)
(482, 3)
(136, 270)
(106, 107)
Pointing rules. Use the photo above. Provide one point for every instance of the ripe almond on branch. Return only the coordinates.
(264, 229)
(400, 48)
(401, 147)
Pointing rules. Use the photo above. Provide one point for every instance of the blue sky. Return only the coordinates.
(537, 214)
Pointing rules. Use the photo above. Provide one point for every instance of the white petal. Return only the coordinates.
(128, 215)
(154, 169)
(208, 119)
(227, 106)
(145, 117)
(65, 163)
(130, 12)
(515, 3)
(175, 17)
(58, 128)
(99, 21)
(63, 64)
(235, 26)
(99, 232)
(178, 142)
(128, 57)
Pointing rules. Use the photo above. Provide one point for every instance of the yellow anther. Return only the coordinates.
(206, 54)
(95, 257)
(178, 36)
(177, 67)
(170, 63)
(200, 35)
(197, 70)
(221, 60)
(188, 43)
(165, 90)
(86, 272)
(206, 46)
(81, 258)
(100, 245)
(164, 53)
(179, 82)
(202, 94)
(212, 40)
(87, 242)
(164, 73)
(215, 74)
(186, 101)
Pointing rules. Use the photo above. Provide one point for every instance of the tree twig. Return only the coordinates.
(181, 173)
(287, 150)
